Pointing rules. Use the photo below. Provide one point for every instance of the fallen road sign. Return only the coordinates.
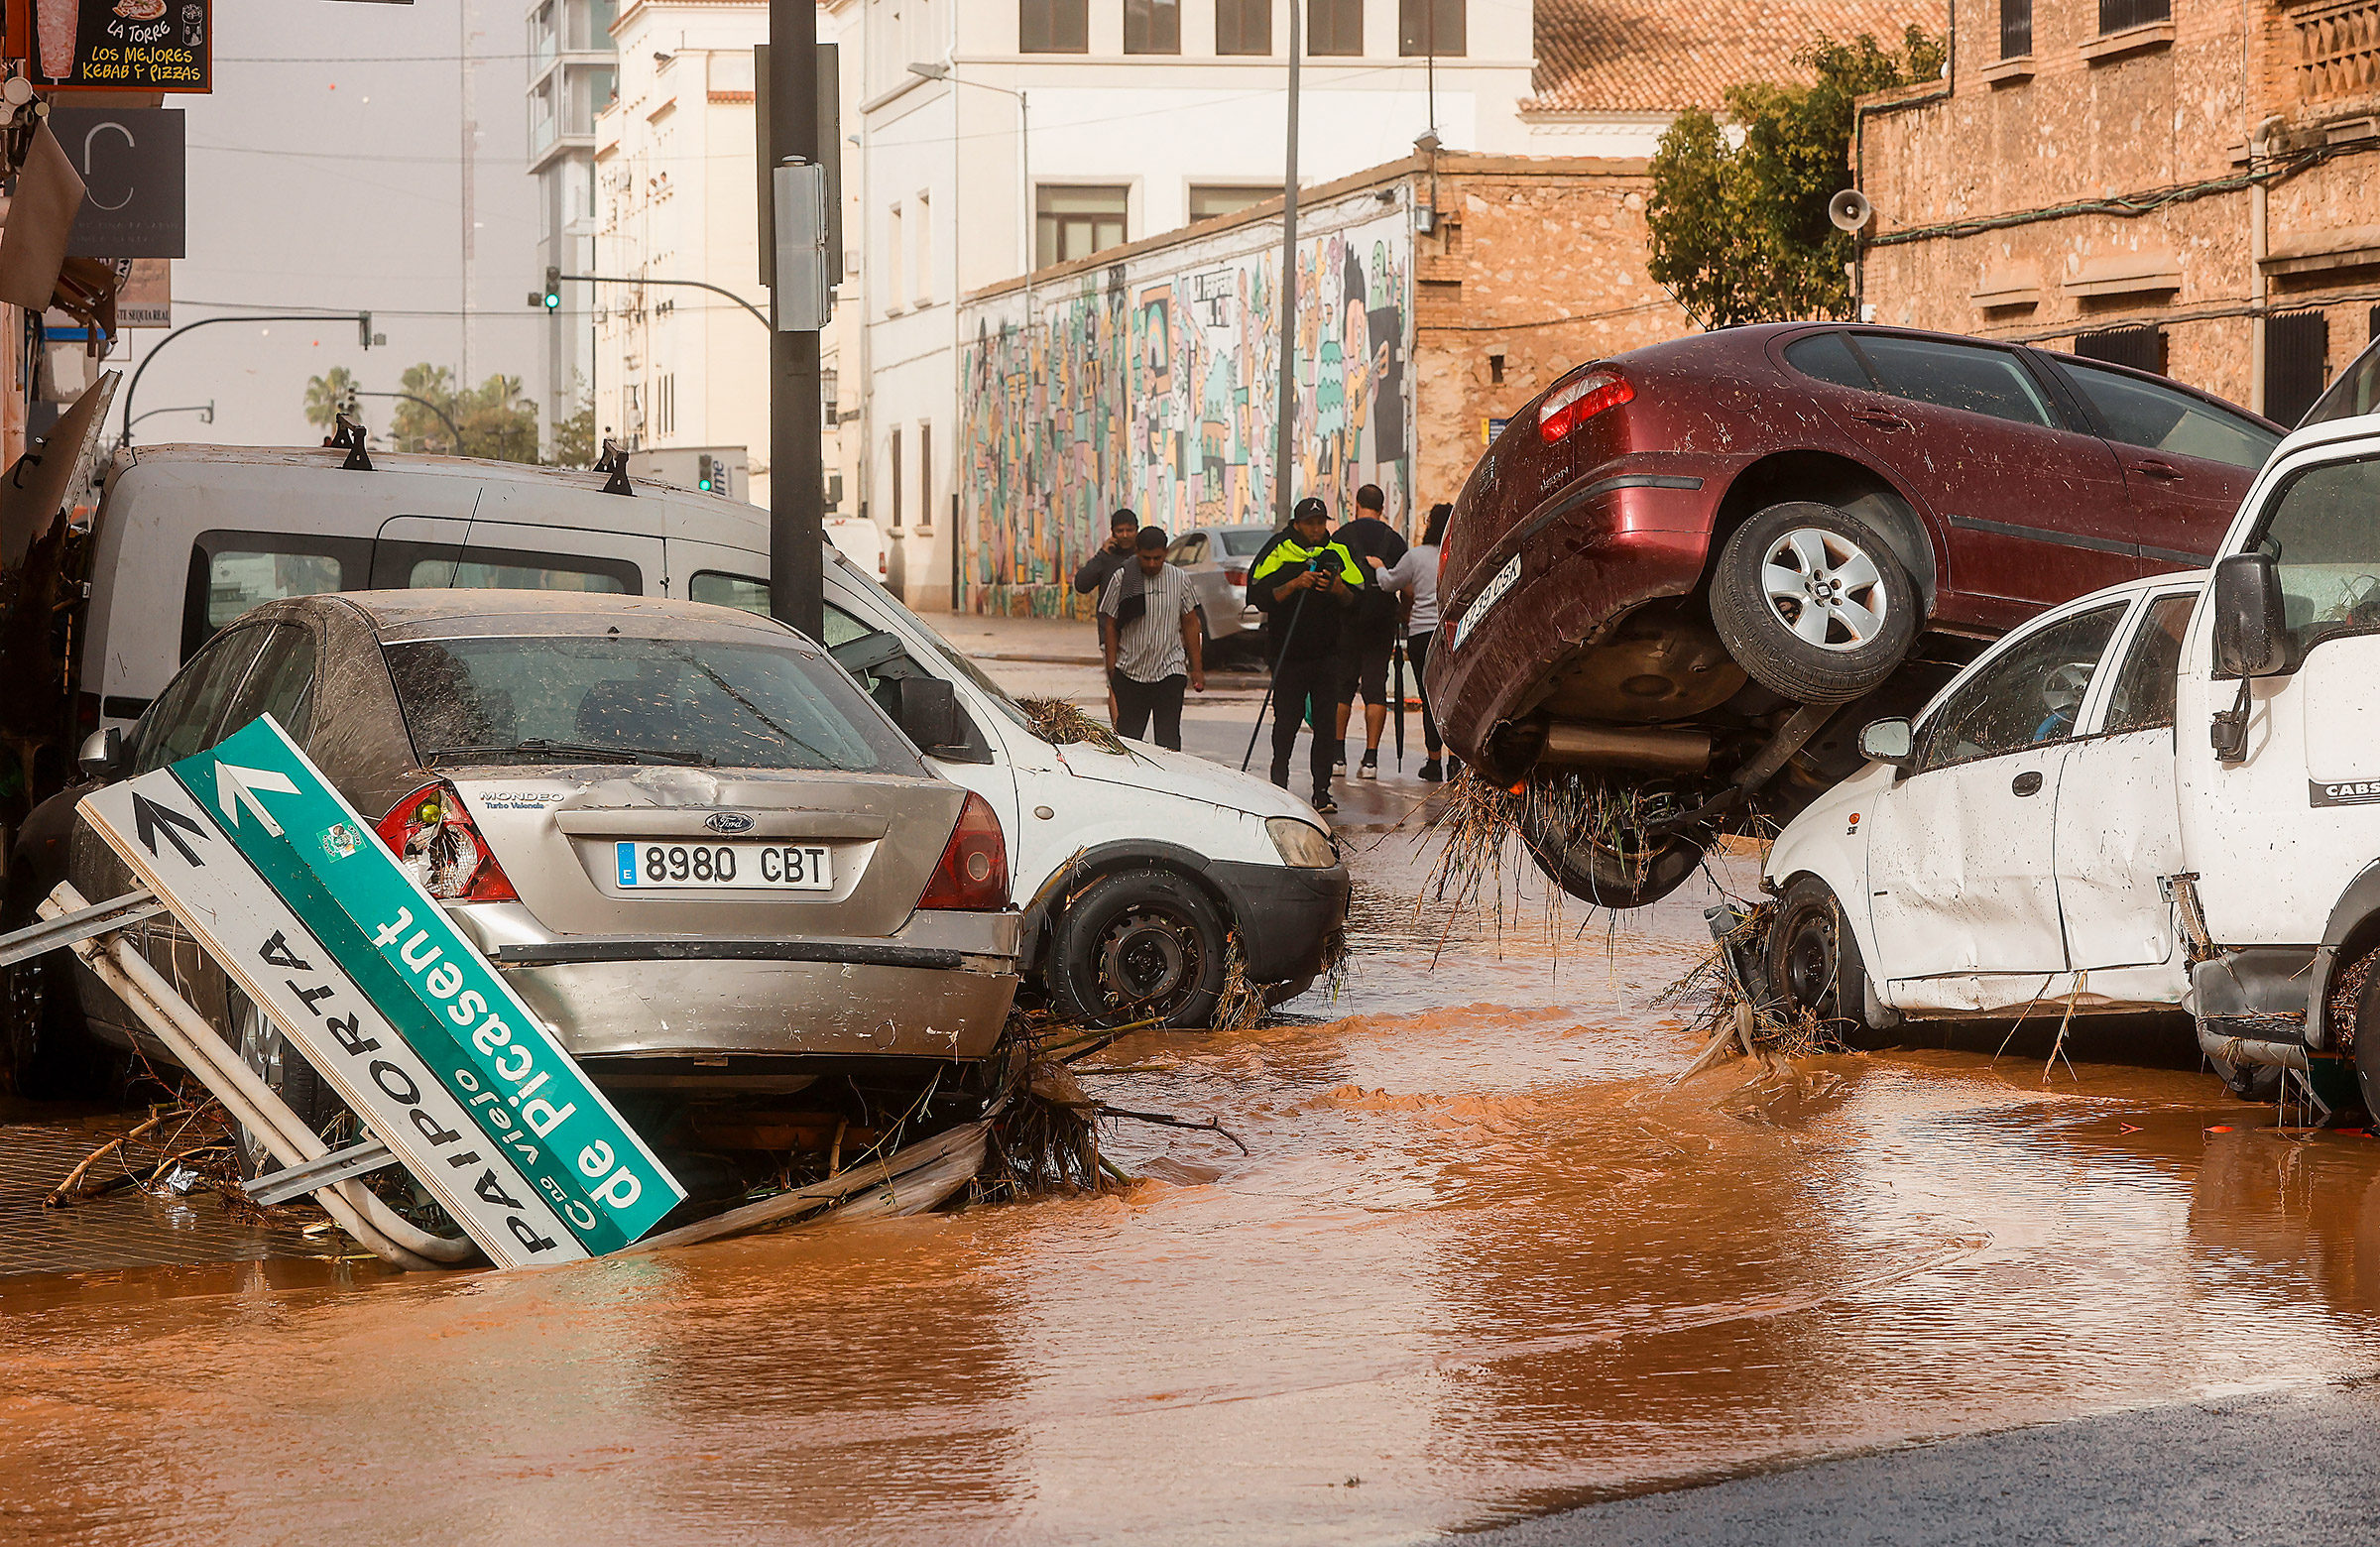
(284, 884)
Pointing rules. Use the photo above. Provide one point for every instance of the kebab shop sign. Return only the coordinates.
(125, 45)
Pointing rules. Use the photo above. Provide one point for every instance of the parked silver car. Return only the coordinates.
(1215, 558)
(681, 832)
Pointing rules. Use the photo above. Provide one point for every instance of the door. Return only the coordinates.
(1961, 859)
(413, 552)
(2187, 462)
(2118, 830)
(2035, 507)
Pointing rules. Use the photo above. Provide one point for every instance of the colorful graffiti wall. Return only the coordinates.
(1153, 383)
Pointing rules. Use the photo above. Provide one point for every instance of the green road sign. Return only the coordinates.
(525, 1094)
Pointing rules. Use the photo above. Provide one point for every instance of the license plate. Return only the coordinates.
(1490, 595)
(767, 867)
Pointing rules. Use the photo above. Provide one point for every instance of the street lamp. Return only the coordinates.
(937, 70)
(205, 412)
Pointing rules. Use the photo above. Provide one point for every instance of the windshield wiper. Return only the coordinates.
(571, 752)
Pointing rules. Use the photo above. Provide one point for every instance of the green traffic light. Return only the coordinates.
(552, 300)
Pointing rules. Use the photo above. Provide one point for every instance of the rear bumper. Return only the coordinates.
(1586, 560)
(1286, 915)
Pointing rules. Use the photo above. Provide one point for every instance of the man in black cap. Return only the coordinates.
(1124, 530)
(1304, 583)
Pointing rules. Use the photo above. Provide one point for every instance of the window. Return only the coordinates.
(182, 719)
(2027, 697)
(1496, 370)
(1243, 26)
(1245, 541)
(1827, 357)
(1430, 27)
(1956, 376)
(2358, 390)
(719, 589)
(896, 478)
(1190, 549)
(1152, 26)
(2016, 28)
(1054, 26)
(2142, 347)
(1209, 199)
(2321, 529)
(922, 221)
(2297, 346)
(281, 683)
(829, 388)
(642, 700)
(664, 404)
(1075, 223)
(429, 566)
(2142, 698)
(925, 476)
(1334, 27)
(893, 257)
(2123, 15)
(233, 571)
(2158, 417)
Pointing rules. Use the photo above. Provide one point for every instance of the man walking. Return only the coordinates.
(1304, 583)
(1115, 553)
(1148, 635)
(1370, 633)
(1415, 576)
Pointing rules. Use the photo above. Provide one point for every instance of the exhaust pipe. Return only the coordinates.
(1575, 744)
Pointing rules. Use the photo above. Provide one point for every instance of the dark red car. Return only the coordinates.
(1674, 567)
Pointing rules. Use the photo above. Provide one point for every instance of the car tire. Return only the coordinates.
(50, 1054)
(2367, 1047)
(1605, 876)
(1812, 603)
(305, 1091)
(1813, 959)
(1137, 945)
(2261, 1083)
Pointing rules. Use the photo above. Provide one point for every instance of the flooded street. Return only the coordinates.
(1479, 1263)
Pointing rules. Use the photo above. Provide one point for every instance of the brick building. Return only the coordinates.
(2177, 185)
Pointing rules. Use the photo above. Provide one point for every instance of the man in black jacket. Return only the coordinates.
(1124, 528)
(1304, 584)
(1370, 634)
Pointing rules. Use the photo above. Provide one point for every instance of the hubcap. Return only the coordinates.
(1825, 589)
(1810, 967)
(1146, 961)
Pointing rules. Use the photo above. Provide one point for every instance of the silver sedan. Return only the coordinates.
(1215, 558)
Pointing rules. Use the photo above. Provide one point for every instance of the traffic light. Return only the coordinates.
(703, 472)
(553, 288)
(363, 328)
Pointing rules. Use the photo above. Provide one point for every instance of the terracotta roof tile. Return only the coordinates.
(1662, 55)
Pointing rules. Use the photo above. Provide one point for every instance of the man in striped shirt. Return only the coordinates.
(1148, 632)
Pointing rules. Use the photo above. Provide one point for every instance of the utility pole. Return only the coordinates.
(796, 448)
(1285, 433)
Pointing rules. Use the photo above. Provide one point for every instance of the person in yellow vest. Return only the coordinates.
(1304, 583)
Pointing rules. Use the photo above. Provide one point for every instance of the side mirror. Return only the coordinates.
(1888, 741)
(102, 755)
(930, 711)
(2251, 627)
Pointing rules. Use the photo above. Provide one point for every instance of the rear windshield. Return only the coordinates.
(1245, 543)
(523, 698)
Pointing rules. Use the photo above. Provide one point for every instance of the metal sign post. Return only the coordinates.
(287, 887)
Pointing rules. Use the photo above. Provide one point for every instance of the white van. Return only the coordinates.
(1136, 873)
(2210, 840)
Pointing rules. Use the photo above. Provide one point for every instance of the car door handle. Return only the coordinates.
(2153, 469)
(1883, 419)
(2027, 783)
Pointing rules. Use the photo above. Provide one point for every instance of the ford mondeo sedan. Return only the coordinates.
(681, 832)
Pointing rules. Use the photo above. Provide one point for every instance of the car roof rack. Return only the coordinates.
(348, 436)
(614, 462)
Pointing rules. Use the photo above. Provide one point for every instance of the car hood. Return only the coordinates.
(1192, 779)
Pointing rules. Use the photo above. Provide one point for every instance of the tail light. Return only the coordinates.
(973, 868)
(1569, 406)
(880, 571)
(433, 835)
(1235, 577)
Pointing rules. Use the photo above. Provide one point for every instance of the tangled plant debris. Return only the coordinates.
(1062, 723)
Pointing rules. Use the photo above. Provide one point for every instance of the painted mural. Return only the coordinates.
(1152, 383)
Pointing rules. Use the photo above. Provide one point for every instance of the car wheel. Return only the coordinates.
(280, 1065)
(1812, 603)
(2261, 1083)
(2367, 1042)
(47, 1052)
(1605, 873)
(1813, 962)
(1136, 946)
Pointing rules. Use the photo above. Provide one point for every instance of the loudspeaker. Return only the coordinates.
(1850, 210)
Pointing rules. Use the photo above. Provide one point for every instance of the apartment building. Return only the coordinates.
(572, 75)
(2175, 184)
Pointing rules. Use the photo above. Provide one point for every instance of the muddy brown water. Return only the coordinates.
(1479, 1263)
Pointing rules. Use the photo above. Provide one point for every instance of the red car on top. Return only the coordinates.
(1674, 567)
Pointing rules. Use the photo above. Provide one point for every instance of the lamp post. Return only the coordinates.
(362, 320)
(448, 420)
(205, 412)
(939, 70)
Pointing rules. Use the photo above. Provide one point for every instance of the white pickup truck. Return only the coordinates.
(2163, 794)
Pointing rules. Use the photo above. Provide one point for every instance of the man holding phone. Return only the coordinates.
(1304, 583)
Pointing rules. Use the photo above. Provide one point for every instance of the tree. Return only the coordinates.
(494, 420)
(328, 396)
(1739, 228)
(574, 436)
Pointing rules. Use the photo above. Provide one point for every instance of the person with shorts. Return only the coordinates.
(1370, 632)
(1148, 635)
